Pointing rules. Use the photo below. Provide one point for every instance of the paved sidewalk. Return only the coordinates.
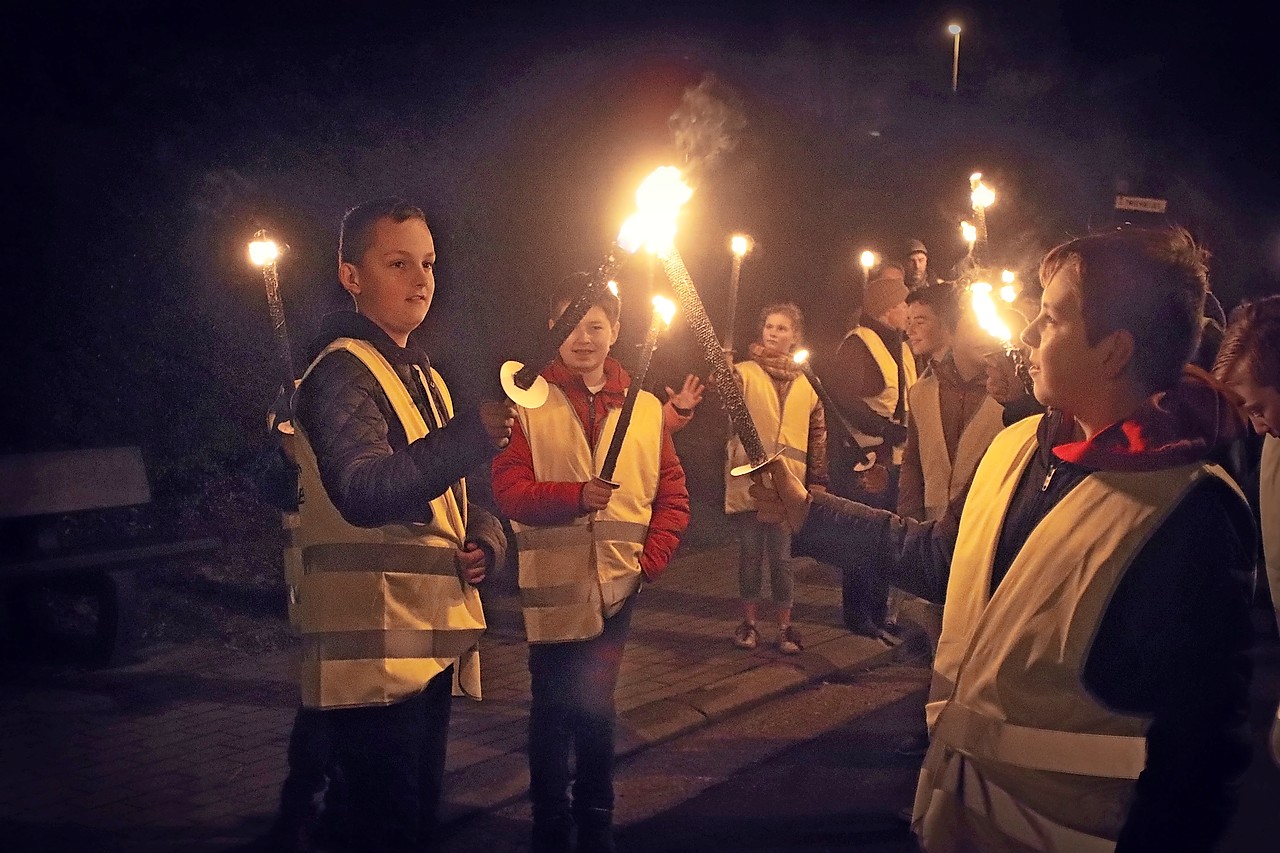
(186, 749)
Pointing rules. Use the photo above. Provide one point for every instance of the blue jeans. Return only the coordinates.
(761, 543)
(573, 709)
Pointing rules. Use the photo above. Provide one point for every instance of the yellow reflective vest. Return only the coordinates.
(382, 610)
(944, 477)
(1021, 757)
(886, 402)
(782, 424)
(574, 575)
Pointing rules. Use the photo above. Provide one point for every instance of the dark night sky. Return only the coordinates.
(154, 138)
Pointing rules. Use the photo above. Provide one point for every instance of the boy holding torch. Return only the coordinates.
(391, 550)
(585, 547)
(1091, 686)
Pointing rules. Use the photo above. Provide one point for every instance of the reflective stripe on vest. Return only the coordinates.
(1080, 753)
(884, 403)
(946, 478)
(1008, 702)
(574, 575)
(953, 794)
(783, 425)
(382, 610)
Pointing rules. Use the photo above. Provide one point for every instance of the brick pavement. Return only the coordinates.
(186, 748)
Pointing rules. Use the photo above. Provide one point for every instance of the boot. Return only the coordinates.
(595, 831)
(551, 832)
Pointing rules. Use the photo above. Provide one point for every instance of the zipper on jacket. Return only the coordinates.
(1048, 478)
(591, 420)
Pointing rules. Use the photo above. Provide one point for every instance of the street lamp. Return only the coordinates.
(954, 29)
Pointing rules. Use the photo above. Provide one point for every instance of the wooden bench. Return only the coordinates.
(69, 523)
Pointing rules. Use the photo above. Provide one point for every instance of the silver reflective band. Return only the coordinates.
(377, 645)
(405, 559)
(1109, 756)
(569, 535)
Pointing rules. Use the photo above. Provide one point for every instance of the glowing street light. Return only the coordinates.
(954, 29)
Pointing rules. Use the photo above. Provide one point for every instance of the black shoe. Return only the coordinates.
(868, 627)
(595, 830)
(551, 835)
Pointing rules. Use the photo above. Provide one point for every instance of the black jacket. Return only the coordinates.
(369, 470)
(1173, 644)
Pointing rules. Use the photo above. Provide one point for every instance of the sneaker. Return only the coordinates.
(789, 641)
(745, 636)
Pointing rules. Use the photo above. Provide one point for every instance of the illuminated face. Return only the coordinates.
(587, 346)
(1261, 404)
(779, 333)
(394, 282)
(925, 332)
(1066, 370)
(917, 262)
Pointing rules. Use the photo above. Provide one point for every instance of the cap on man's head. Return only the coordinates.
(882, 294)
(916, 246)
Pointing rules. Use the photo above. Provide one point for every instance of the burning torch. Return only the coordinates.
(663, 310)
(740, 245)
(868, 260)
(660, 197)
(263, 253)
(863, 458)
(984, 308)
(981, 196)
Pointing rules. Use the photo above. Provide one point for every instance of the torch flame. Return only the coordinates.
(984, 307)
(665, 308)
(1008, 293)
(800, 356)
(262, 251)
(969, 232)
(659, 199)
(868, 259)
(982, 195)
(1007, 276)
(740, 245)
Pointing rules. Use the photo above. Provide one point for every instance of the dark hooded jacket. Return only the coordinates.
(369, 470)
(1173, 643)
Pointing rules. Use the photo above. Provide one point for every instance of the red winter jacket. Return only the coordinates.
(523, 498)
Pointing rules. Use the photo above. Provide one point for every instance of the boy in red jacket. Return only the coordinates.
(585, 547)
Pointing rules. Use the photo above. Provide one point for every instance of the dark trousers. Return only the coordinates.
(863, 595)
(573, 709)
(392, 762)
(310, 756)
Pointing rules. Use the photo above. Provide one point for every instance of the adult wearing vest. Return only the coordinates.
(1090, 690)
(586, 547)
(391, 550)
(867, 379)
(789, 417)
(1249, 361)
